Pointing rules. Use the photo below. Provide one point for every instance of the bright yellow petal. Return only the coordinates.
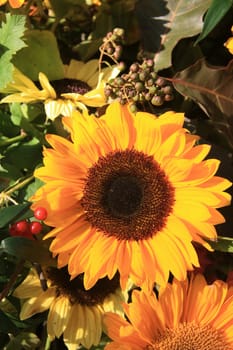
(58, 316)
(16, 3)
(30, 287)
(37, 304)
(54, 108)
(229, 45)
(44, 82)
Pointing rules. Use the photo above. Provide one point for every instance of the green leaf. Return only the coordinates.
(25, 155)
(9, 171)
(11, 42)
(7, 128)
(24, 341)
(12, 31)
(223, 244)
(32, 188)
(41, 55)
(212, 88)
(24, 248)
(88, 48)
(6, 69)
(6, 325)
(4, 339)
(163, 25)
(12, 213)
(215, 13)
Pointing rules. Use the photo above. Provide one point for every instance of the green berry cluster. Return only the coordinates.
(140, 85)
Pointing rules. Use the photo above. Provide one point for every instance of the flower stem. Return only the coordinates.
(47, 344)
(12, 280)
(19, 185)
(11, 140)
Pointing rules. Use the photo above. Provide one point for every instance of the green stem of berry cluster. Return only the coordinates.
(20, 185)
(11, 140)
(102, 54)
(5, 195)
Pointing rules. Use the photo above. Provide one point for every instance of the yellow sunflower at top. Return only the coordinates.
(83, 85)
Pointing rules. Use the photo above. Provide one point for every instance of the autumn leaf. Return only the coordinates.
(164, 23)
(212, 88)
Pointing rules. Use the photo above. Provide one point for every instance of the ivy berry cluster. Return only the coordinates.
(112, 45)
(140, 85)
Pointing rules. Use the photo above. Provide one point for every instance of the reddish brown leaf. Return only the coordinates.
(212, 88)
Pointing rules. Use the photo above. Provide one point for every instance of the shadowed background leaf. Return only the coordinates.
(212, 88)
(13, 213)
(27, 249)
(223, 244)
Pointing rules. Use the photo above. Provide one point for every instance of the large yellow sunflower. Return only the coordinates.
(75, 313)
(186, 315)
(129, 193)
(82, 86)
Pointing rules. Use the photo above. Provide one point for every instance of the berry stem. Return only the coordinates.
(11, 140)
(12, 280)
(19, 185)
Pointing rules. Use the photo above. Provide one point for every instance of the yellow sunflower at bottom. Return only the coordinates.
(186, 315)
(83, 85)
(75, 313)
(129, 193)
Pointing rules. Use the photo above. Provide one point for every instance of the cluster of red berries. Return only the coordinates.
(26, 228)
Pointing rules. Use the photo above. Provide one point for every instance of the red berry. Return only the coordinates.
(13, 231)
(21, 226)
(35, 227)
(40, 213)
(18, 229)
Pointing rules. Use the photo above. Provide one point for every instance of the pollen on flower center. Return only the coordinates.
(190, 336)
(74, 289)
(70, 86)
(127, 195)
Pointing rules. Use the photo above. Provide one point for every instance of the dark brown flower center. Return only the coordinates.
(64, 86)
(75, 291)
(123, 196)
(190, 336)
(127, 195)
